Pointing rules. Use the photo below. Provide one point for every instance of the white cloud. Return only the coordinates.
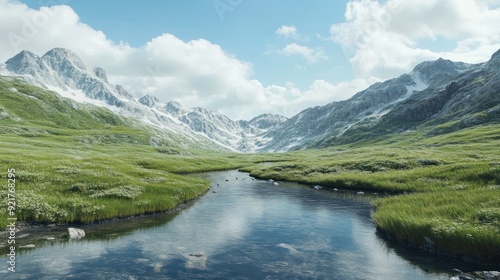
(311, 55)
(290, 31)
(291, 100)
(194, 73)
(41, 30)
(287, 31)
(383, 39)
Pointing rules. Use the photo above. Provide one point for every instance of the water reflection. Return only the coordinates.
(246, 230)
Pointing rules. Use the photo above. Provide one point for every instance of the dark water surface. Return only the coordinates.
(247, 229)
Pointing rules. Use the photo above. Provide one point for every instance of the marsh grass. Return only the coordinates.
(73, 182)
(80, 163)
(452, 181)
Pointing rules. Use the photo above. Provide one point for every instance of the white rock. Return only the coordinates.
(75, 233)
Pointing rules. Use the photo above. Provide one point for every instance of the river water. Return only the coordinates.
(241, 229)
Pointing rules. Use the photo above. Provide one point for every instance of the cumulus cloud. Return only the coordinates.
(382, 39)
(290, 31)
(317, 93)
(194, 73)
(40, 30)
(310, 55)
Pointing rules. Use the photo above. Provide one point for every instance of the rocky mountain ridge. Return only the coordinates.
(439, 96)
(63, 71)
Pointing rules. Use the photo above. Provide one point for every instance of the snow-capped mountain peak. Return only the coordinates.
(61, 70)
(435, 90)
(58, 58)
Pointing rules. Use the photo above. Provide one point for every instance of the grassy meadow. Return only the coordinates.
(61, 180)
(81, 163)
(77, 163)
(445, 189)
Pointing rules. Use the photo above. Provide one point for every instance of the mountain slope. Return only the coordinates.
(433, 94)
(437, 96)
(63, 71)
(470, 98)
(30, 111)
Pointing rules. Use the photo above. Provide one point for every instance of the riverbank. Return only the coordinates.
(33, 233)
(447, 223)
(448, 186)
(452, 182)
(60, 180)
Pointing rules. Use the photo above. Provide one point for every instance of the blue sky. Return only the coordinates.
(243, 58)
(243, 28)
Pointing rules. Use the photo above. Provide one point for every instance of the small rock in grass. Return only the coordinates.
(29, 246)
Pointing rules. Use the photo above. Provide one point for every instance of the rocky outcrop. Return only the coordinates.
(148, 100)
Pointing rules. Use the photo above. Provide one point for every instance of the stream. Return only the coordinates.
(242, 228)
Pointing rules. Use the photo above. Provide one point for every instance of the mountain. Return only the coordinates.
(62, 71)
(437, 96)
(245, 136)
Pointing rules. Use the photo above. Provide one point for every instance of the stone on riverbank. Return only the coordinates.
(75, 233)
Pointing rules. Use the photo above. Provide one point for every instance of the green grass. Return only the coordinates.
(67, 181)
(452, 181)
(80, 163)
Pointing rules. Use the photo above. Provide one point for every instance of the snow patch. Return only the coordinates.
(419, 84)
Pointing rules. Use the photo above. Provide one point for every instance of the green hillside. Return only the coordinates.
(81, 163)
(444, 188)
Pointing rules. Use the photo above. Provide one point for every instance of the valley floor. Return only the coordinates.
(447, 187)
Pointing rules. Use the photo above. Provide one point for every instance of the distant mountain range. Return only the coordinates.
(62, 71)
(440, 96)
(437, 97)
